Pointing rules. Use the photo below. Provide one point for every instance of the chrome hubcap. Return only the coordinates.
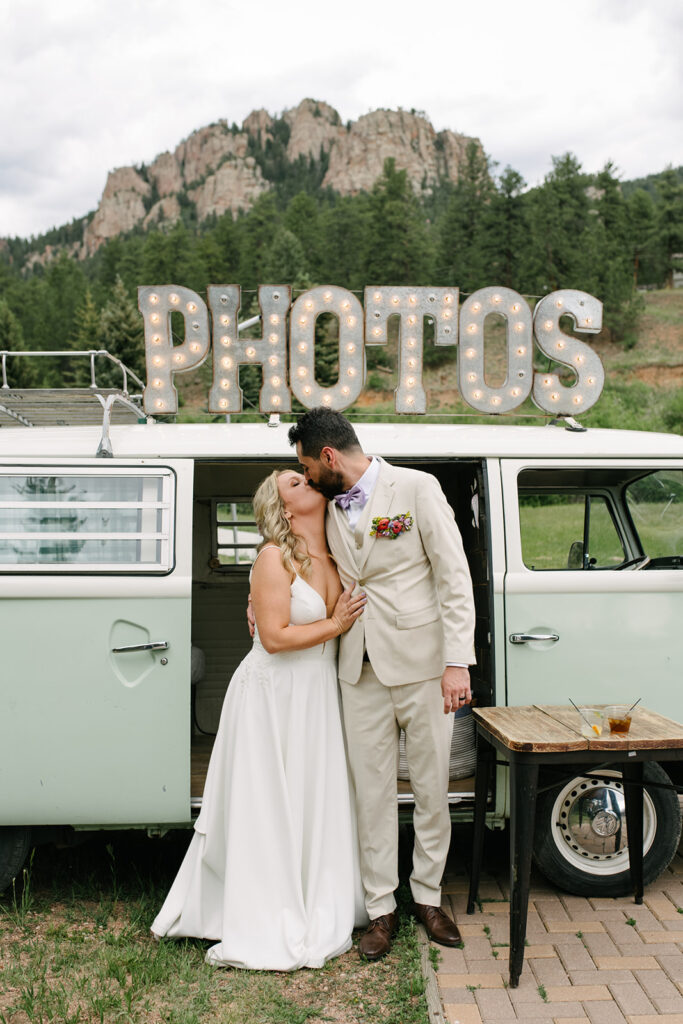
(589, 824)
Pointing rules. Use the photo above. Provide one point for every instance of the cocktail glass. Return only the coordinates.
(619, 718)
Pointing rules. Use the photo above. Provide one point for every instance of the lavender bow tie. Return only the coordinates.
(355, 493)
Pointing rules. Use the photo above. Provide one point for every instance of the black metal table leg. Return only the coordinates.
(485, 761)
(523, 789)
(633, 795)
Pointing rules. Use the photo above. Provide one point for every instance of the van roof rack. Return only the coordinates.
(66, 405)
(73, 406)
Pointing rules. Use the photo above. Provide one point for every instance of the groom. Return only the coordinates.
(404, 662)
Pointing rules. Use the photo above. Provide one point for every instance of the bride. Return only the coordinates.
(272, 869)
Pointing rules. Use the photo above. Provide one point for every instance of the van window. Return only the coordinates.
(86, 520)
(553, 527)
(235, 536)
(656, 506)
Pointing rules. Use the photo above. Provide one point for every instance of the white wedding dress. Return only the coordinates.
(272, 869)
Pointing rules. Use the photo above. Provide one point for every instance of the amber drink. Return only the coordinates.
(619, 718)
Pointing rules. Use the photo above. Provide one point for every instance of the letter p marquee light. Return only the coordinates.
(163, 357)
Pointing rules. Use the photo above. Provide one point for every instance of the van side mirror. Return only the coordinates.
(575, 556)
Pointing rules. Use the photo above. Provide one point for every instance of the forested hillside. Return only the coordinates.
(575, 231)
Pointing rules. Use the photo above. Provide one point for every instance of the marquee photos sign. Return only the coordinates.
(289, 369)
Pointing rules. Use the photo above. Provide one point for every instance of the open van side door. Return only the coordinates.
(95, 592)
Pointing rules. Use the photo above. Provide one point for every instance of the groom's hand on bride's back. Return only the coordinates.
(251, 621)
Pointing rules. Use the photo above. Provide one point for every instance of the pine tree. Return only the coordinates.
(669, 224)
(20, 372)
(286, 262)
(465, 227)
(641, 231)
(121, 334)
(397, 249)
(86, 331)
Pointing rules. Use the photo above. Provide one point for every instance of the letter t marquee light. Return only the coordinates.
(412, 305)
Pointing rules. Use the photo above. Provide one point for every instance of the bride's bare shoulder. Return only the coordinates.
(268, 568)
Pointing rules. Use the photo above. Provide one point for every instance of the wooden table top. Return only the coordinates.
(557, 728)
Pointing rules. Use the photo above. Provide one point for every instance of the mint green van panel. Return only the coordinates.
(620, 635)
(90, 736)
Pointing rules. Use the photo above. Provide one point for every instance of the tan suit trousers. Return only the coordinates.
(373, 715)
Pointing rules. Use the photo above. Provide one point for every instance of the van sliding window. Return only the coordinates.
(81, 520)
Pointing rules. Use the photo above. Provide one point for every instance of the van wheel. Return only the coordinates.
(581, 840)
(15, 843)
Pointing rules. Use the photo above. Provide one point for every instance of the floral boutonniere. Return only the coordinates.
(391, 527)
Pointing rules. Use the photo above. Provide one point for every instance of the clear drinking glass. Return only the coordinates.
(592, 722)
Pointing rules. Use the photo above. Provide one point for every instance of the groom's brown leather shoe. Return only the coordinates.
(376, 941)
(439, 926)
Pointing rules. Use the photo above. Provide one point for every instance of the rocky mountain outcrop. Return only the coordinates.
(223, 168)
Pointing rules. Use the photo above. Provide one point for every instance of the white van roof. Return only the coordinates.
(393, 440)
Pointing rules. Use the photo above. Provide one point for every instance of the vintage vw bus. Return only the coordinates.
(123, 584)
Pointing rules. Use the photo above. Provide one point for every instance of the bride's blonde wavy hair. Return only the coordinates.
(275, 528)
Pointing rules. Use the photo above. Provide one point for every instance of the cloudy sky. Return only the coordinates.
(89, 85)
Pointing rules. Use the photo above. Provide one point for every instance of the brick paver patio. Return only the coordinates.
(595, 961)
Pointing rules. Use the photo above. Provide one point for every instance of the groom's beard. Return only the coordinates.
(328, 484)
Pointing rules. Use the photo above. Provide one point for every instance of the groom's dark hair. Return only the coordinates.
(320, 428)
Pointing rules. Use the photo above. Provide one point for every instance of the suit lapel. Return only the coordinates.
(380, 504)
(340, 539)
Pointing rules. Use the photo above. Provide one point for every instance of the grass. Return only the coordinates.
(75, 947)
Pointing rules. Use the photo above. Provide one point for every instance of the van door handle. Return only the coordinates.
(524, 638)
(155, 645)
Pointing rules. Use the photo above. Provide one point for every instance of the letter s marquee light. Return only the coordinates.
(358, 328)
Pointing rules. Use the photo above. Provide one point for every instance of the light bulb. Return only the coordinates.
(191, 307)
(548, 325)
(273, 360)
(395, 299)
(470, 353)
(521, 351)
(471, 377)
(302, 371)
(496, 300)
(155, 318)
(475, 307)
(577, 399)
(156, 383)
(302, 346)
(225, 320)
(351, 372)
(412, 299)
(327, 400)
(275, 381)
(251, 352)
(495, 400)
(156, 339)
(159, 404)
(350, 347)
(273, 338)
(226, 362)
(448, 299)
(476, 394)
(515, 307)
(410, 400)
(554, 396)
(472, 328)
(274, 318)
(225, 384)
(377, 331)
(307, 390)
(276, 399)
(303, 320)
(519, 327)
(175, 299)
(345, 390)
(154, 299)
(327, 296)
(411, 342)
(225, 340)
(351, 320)
(377, 296)
(179, 357)
(223, 403)
(308, 304)
(195, 346)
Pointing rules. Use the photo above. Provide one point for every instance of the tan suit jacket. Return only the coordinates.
(420, 610)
